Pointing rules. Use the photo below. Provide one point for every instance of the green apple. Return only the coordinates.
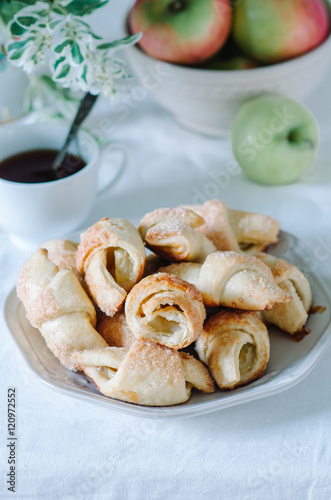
(274, 139)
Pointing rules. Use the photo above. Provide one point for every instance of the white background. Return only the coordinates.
(277, 447)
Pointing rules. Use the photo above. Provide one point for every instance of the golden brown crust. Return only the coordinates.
(56, 303)
(112, 256)
(165, 309)
(164, 214)
(232, 280)
(62, 253)
(147, 374)
(234, 229)
(171, 234)
(216, 224)
(290, 317)
(115, 330)
(235, 346)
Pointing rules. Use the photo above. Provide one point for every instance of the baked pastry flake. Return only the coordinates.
(111, 255)
(165, 309)
(146, 374)
(232, 280)
(171, 233)
(292, 316)
(235, 346)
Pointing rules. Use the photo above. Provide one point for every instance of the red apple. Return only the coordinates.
(276, 30)
(181, 31)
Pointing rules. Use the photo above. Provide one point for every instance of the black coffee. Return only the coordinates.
(36, 166)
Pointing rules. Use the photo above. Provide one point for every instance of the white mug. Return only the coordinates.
(35, 212)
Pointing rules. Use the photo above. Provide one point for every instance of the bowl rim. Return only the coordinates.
(240, 73)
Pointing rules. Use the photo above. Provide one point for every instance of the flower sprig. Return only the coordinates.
(54, 33)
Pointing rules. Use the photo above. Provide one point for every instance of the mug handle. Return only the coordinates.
(114, 146)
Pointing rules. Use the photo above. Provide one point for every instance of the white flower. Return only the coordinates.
(77, 58)
(29, 51)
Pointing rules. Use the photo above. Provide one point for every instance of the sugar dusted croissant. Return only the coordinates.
(165, 309)
(115, 330)
(112, 256)
(63, 253)
(171, 233)
(232, 280)
(235, 347)
(146, 374)
(58, 306)
(292, 316)
(236, 230)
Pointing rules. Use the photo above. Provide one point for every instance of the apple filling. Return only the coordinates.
(119, 265)
(247, 357)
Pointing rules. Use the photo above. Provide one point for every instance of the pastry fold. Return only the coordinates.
(235, 347)
(58, 306)
(171, 233)
(115, 330)
(236, 230)
(232, 280)
(112, 257)
(63, 253)
(292, 316)
(146, 374)
(165, 309)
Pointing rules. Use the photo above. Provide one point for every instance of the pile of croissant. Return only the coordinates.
(127, 321)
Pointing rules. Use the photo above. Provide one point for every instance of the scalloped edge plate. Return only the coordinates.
(289, 362)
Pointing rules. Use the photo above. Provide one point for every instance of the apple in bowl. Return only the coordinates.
(181, 31)
(272, 31)
(274, 139)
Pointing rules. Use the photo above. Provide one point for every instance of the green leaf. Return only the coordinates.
(84, 73)
(59, 48)
(26, 21)
(58, 10)
(8, 8)
(53, 24)
(16, 29)
(96, 37)
(76, 53)
(18, 44)
(64, 72)
(16, 54)
(84, 7)
(48, 80)
(59, 61)
(129, 40)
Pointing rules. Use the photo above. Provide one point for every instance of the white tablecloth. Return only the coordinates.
(278, 447)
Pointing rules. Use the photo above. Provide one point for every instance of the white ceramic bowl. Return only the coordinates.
(207, 100)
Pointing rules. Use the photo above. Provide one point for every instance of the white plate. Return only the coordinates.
(289, 363)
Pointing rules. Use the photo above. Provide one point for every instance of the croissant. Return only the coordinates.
(171, 233)
(232, 280)
(112, 256)
(165, 309)
(63, 254)
(115, 330)
(235, 347)
(235, 230)
(58, 306)
(146, 374)
(292, 316)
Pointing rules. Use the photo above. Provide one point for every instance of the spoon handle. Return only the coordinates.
(85, 107)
